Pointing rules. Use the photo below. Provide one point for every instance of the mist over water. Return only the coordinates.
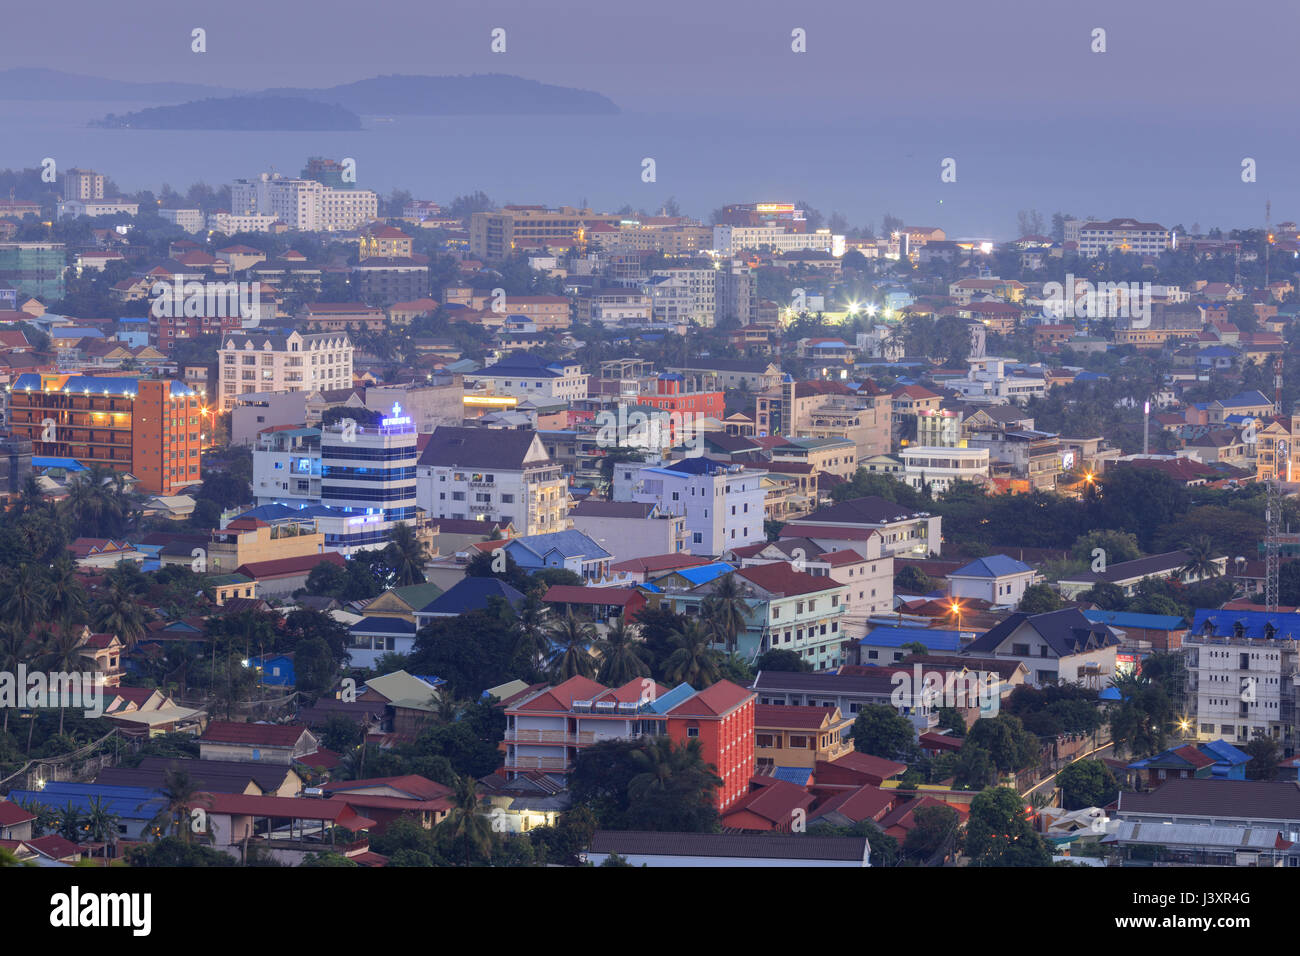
(1164, 168)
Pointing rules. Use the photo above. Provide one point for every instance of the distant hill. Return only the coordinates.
(491, 94)
(38, 84)
(239, 113)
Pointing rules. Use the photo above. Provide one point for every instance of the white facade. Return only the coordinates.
(940, 467)
(304, 204)
(535, 498)
(286, 468)
(1125, 235)
(723, 509)
(191, 220)
(1239, 685)
(570, 384)
(230, 223)
(732, 240)
(988, 381)
(283, 363)
(368, 474)
(72, 208)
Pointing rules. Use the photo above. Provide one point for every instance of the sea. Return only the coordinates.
(863, 162)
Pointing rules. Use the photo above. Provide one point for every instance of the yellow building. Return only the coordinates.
(789, 736)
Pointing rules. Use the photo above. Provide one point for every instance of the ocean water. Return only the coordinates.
(1164, 168)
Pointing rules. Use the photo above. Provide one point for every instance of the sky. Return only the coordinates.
(1155, 127)
(1193, 56)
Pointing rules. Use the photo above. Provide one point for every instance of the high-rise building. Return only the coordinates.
(303, 204)
(496, 235)
(368, 473)
(151, 428)
(83, 184)
(292, 362)
(34, 268)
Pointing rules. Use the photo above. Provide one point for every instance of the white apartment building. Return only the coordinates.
(722, 502)
(304, 204)
(295, 362)
(72, 208)
(733, 240)
(191, 220)
(229, 223)
(683, 295)
(488, 474)
(1242, 687)
(939, 467)
(525, 376)
(620, 306)
(1123, 235)
(631, 529)
(286, 467)
(988, 381)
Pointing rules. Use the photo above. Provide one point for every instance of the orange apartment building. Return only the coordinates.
(548, 726)
(150, 428)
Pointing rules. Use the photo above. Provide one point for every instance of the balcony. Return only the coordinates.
(538, 763)
(550, 737)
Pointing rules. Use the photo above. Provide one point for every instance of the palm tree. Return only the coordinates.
(26, 599)
(532, 646)
(179, 795)
(120, 612)
(664, 766)
(622, 655)
(693, 661)
(13, 643)
(101, 824)
(61, 653)
(65, 597)
(407, 555)
(571, 638)
(1200, 559)
(727, 610)
(70, 827)
(464, 822)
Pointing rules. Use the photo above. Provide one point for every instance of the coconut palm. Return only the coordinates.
(532, 645)
(119, 612)
(70, 823)
(180, 795)
(60, 652)
(464, 822)
(406, 554)
(65, 597)
(726, 610)
(664, 767)
(13, 647)
(571, 638)
(693, 660)
(622, 654)
(26, 598)
(101, 824)
(1200, 559)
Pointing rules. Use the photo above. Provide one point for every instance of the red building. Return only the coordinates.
(670, 396)
(721, 717)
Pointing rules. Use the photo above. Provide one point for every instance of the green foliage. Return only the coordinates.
(880, 731)
(1086, 783)
(647, 784)
(1039, 599)
(1009, 745)
(1263, 758)
(998, 833)
(172, 851)
(912, 580)
(781, 660)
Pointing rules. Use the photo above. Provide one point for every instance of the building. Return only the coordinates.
(799, 736)
(547, 727)
(1127, 575)
(722, 502)
(525, 376)
(631, 529)
(496, 235)
(570, 550)
(1057, 646)
(304, 205)
(151, 428)
(492, 475)
(939, 468)
(368, 474)
(729, 240)
(34, 268)
(82, 184)
(902, 532)
(727, 849)
(997, 579)
(1119, 235)
(292, 362)
(191, 220)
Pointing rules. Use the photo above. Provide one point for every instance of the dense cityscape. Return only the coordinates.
(346, 523)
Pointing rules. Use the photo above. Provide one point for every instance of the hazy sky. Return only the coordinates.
(703, 55)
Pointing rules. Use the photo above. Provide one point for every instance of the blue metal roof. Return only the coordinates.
(129, 803)
(796, 775)
(704, 573)
(935, 640)
(472, 594)
(678, 695)
(993, 566)
(70, 464)
(383, 625)
(96, 384)
(1223, 623)
(1121, 619)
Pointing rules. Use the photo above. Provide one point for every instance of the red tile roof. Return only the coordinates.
(716, 701)
(288, 567)
(776, 801)
(576, 594)
(781, 578)
(11, 814)
(339, 812)
(265, 735)
(793, 717)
